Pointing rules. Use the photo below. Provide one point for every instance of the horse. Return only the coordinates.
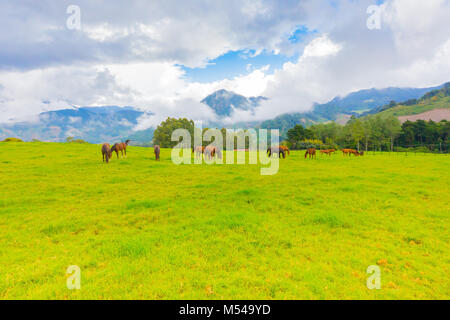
(328, 152)
(121, 146)
(311, 152)
(210, 152)
(157, 152)
(286, 150)
(278, 150)
(199, 150)
(348, 152)
(106, 152)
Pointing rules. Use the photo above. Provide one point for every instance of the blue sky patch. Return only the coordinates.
(235, 63)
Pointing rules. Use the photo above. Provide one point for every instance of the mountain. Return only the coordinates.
(340, 109)
(223, 102)
(432, 105)
(93, 124)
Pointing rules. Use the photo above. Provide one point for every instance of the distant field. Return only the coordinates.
(139, 229)
(401, 110)
(435, 115)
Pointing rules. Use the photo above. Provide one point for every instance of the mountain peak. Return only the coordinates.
(224, 102)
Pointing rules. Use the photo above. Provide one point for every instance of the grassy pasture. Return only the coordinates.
(139, 229)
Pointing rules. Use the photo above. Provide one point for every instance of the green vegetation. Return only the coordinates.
(376, 132)
(436, 99)
(72, 140)
(143, 229)
(163, 133)
(12, 140)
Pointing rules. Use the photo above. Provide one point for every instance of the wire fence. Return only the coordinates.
(414, 150)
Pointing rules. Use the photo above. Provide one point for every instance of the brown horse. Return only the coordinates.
(328, 152)
(311, 152)
(210, 152)
(198, 151)
(106, 152)
(286, 150)
(121, 146)
(280, 151)
(157, 152)
(348, 152)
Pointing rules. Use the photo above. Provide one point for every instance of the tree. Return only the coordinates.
(356, 130)
(298, 134)
(163, 133)
(392, 129)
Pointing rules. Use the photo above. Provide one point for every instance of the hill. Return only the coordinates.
(341, 108)
(434, 100)
(93, 124)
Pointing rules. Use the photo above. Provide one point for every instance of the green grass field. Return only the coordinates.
(139, 229)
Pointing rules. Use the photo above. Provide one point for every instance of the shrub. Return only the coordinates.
(12, 140)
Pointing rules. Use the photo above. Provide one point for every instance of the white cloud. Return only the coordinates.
(127, 54)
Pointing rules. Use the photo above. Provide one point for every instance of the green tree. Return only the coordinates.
(356, 130)
(392, 129)
(163, 133)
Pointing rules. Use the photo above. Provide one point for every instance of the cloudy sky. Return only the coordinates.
(166, 56)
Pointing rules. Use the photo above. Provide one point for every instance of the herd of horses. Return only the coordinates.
(121, 147)
(107, 150)
(210, 152)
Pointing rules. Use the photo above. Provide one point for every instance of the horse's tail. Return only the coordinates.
(306, 154)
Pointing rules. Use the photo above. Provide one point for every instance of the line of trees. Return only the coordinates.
(377, 132)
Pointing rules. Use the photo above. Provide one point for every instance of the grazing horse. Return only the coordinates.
(121, 146)
(328, 152)
(348, 152)
(286, 150)
(198, 151)
(157, 152)
(280, 151)
(106, 152)
(210, 152)
(311, 152)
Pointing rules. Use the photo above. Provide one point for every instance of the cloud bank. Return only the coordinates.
(130, 54)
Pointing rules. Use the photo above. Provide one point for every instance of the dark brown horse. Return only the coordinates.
(106, 152)
(121, 146)
(280, 151)
(311, 152)
(157, 152)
